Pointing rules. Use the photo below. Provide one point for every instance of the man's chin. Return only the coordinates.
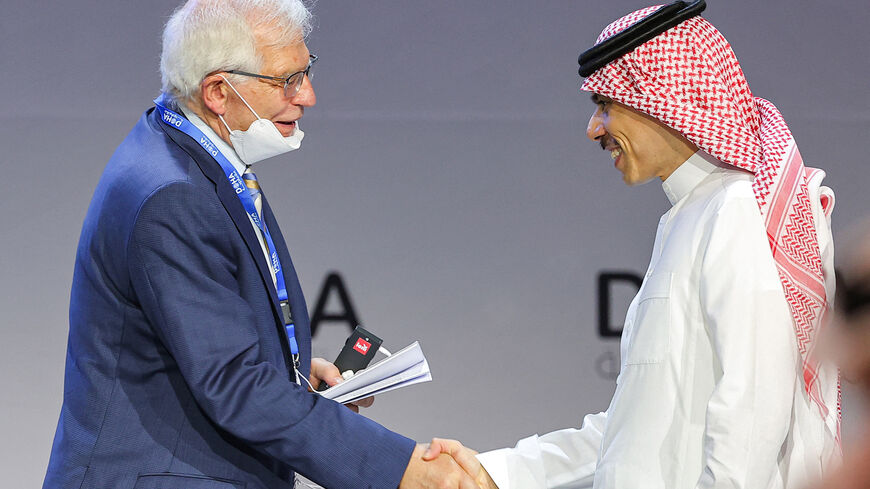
(632, 179)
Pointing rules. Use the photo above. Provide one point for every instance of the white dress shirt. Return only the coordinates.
(240, 167)
(709, 393)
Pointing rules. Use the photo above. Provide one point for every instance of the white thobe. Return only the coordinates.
(709, 393)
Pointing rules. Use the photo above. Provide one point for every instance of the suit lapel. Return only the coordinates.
(212, 170)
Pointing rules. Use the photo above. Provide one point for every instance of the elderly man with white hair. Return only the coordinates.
(189, 345)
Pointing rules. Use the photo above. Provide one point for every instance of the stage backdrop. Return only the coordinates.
(445, 185)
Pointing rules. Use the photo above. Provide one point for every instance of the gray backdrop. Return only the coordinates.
(445, 174)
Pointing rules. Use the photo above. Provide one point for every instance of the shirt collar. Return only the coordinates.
(222, 145)
(688, 175)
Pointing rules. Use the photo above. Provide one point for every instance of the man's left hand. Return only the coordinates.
(325, 371)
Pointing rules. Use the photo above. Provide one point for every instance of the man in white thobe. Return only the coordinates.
(718, 386)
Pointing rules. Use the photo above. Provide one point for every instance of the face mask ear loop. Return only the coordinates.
(240, 96)
(225, 124)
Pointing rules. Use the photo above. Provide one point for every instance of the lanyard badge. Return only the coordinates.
(177, 121)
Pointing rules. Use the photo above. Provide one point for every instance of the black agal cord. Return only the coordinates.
(641, 32)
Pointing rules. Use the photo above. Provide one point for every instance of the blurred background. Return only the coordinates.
(445, 178)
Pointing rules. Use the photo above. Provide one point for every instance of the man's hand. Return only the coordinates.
(440, 472)
(465, 457)
(325, 371)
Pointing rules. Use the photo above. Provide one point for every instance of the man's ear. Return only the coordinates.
(213, 90)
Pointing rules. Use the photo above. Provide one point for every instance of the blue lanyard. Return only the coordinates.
(177, 121)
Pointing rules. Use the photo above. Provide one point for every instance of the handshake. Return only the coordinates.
(445, 464)
(442, 464)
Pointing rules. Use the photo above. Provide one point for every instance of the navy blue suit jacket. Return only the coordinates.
(178, 372)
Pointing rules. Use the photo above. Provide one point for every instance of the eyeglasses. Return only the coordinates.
(292, 82)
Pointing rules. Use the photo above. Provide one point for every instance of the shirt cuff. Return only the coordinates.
(496, 464)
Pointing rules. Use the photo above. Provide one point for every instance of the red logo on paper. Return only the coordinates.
(362, 346)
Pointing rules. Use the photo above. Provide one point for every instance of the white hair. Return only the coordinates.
(204, 36)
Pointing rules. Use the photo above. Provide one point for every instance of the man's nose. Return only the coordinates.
(305, 96)
(595, 128)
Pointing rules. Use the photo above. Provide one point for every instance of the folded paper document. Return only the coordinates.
(403, 368)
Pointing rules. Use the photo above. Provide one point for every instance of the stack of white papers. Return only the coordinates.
(403, 368)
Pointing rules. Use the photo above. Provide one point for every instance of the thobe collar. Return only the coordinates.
(688, 175)
(222, 145)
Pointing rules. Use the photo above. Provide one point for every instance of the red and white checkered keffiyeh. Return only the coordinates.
(689, 78)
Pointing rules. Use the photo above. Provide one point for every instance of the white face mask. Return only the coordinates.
(262, 139)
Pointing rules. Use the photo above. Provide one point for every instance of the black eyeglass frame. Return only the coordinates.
(312, 58)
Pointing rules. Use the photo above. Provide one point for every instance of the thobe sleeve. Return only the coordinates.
(750, 327)
(558, 460)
